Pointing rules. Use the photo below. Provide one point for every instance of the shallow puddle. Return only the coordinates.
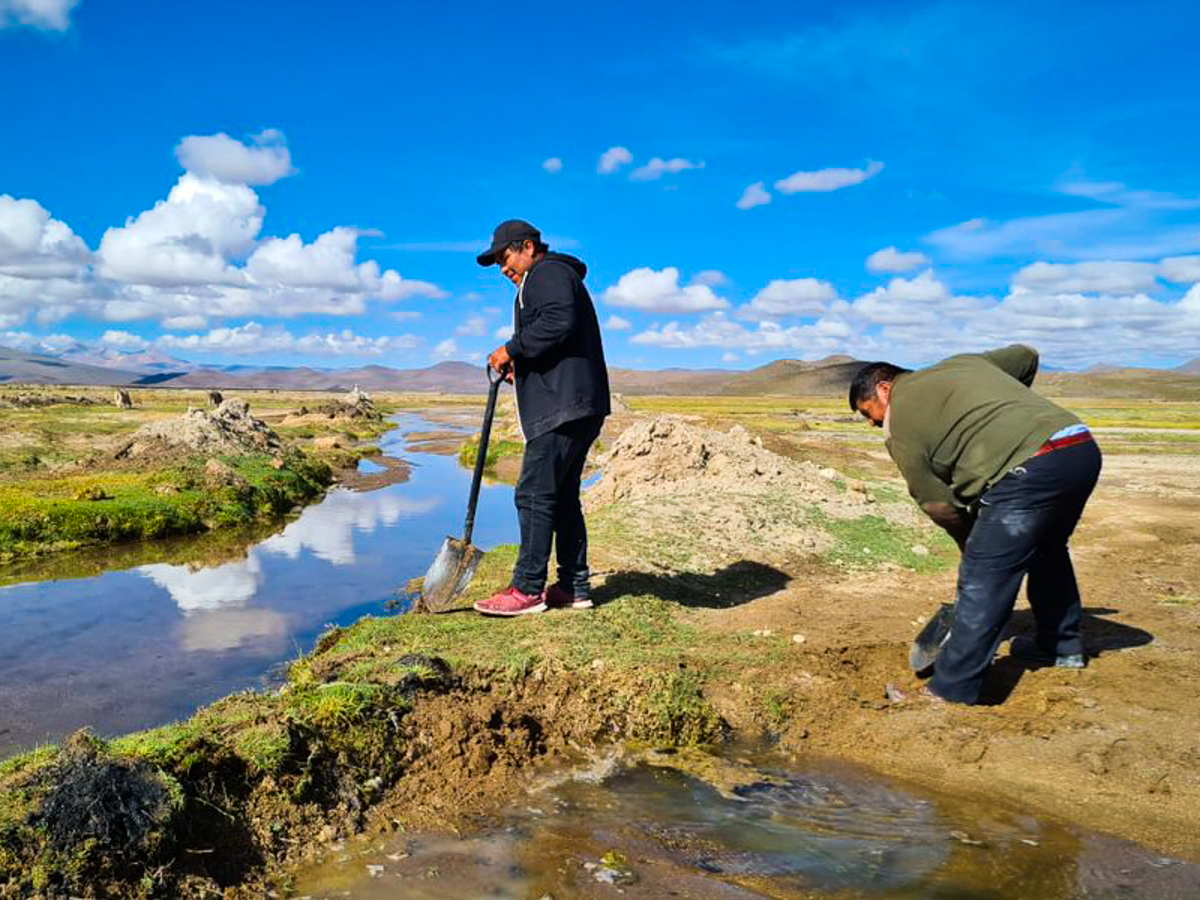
(643, 831)
(130, 649)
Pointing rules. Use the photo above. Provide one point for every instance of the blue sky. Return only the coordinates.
(295, 183)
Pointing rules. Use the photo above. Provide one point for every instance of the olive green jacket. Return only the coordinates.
(956, 428)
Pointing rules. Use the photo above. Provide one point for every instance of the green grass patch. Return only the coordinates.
(871, 540)
(497, 450)
(48, 514)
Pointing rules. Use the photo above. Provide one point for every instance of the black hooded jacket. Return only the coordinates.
(556, 348)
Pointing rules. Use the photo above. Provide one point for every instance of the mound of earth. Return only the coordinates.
(720, 495)
(34, 401)
(227, 430)
(355, 405)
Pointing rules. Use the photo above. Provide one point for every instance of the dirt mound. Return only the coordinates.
(228, 429)
(720, 495)
(36, 401)
(355, 405)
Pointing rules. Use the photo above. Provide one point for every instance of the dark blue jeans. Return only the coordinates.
(1024, 522)
(547, 498)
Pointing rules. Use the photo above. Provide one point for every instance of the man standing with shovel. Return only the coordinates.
(555, 360)
(1006, 473)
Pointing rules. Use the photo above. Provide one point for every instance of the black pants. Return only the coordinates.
(1024, 522)
(547, 498)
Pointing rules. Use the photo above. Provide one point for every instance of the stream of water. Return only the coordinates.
(639, 831)
(125, 650)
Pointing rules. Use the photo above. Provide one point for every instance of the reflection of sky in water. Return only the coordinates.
(109, 652)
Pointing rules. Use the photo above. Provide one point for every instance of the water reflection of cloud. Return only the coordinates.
(193, 590)
(328, 529)
(227, 629)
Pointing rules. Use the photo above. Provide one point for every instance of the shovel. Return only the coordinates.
(455, 564)
(928, 644)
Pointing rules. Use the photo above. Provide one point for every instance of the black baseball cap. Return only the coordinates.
(508, 232)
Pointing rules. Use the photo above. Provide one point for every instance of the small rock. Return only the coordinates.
(828, 473)
(329, 442)
(1030, 841)
(375, 871)
(798, 638)
(920, 550)
(921, 620)
(963, 838)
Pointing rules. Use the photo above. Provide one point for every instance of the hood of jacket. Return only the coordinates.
(577, 264)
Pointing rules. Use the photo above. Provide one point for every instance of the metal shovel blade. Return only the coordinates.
(933, 636)
(449, 574)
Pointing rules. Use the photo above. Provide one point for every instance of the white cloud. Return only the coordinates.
(755, 195)
(616, 323)
(474, 326)
(184, 323)
(730, 357)
(34, 245)
(218, 156)
(1181, 269)
(52, 15)
(889, 259)
(124, 340)
(794, 297)
(827, 179)
(711, 277)
(657, 167)
(553, 165)
(1104, 277)
(36, 343)
(718, 330)
(612, 159)
(446, 349)
(187, 239)
(503, 333)
(255, 339)
(654, 291)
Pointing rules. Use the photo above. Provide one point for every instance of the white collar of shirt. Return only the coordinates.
(887, 421)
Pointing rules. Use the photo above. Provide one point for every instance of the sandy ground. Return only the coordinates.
(1114, 748)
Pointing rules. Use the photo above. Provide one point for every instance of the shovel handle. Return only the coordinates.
(494, 380)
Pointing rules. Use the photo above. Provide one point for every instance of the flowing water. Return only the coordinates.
(638, 831)
(126, 650)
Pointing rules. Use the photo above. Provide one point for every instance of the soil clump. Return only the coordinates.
(228, 430)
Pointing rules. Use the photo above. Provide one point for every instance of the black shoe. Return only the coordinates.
(1026, 648)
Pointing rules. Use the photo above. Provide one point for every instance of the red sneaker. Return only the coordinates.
(512, 602)
(558, 597)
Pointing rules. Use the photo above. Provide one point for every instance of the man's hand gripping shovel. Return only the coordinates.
(456, 562)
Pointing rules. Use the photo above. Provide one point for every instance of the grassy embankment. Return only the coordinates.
(61, 488)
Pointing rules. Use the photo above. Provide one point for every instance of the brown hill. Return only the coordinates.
(34, 368)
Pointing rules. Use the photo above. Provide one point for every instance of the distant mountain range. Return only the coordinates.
(84, 365)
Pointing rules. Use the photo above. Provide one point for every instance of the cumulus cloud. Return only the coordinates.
(660, 291)
(37, 343)
(1181, 269)
(34, 245)
(612, 159)
(718, 330)
(265, 160)
(254, 338)
(711, 277)
(794, 297)
(51, 15)
(553, 165)
(616, 323)
(658, 167)
(891, 260)
(474, 326)
(446, 349)
(124, 340)
(1103, 277)
(827, 179)
(503, 333)
(755, 195)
